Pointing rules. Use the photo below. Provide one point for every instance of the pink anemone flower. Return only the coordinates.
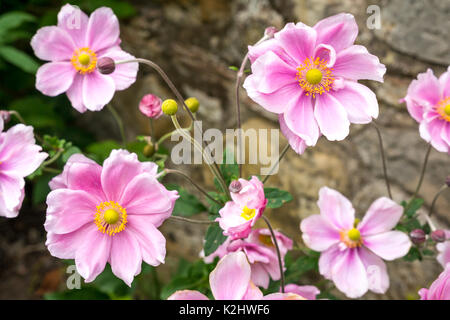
(308, 76)
(238, 216)
(428, 102)
(20, 156)
(307, 292)
(352, 251)
(231, 280)
(444, 250)
(439, 289)
(260, 252)
(108, 214)
(73, 48)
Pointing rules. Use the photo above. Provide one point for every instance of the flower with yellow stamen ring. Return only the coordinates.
(110, 217)
(247, 213)
(84, 60)
(443, 108)
(314, 76)
(351, 238)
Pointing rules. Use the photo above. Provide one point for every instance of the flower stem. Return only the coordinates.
(53, 159)
(441, 190)
(179, 218)
(286, 148)
(119, 122)
(280, 262)
(383, 159)
(199, 188)
(422, 173)
(239, 76)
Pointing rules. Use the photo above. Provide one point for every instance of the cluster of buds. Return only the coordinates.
(418, 236)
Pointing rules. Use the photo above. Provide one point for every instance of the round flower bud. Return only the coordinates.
(447, 181)
(106, 65)
(149, 150)
(169, 107)
(235, 186)
(417, 236)
(5, 115)
(270, 32)
(193, 104)
(438, 235)
(150, 106)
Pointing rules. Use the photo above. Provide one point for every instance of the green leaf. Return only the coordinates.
(69, 152)
(413, 206)
(276, 197)
(413, 254)
(187, 204)
(19, 59)
(101, 150)
(41, 188)
(230, 171)
(11, 20)
(213, 239)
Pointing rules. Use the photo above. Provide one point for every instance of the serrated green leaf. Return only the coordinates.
(412, 207)
(276, 197)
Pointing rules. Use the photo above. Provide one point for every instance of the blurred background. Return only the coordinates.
(196, 41)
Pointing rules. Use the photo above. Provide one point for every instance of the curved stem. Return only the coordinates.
(286, 148)
(178, 218)
(422, 173)
(181, 173)
(53, 159)
(119, 123)
(280, 262)
(383, 159)
(169, 134)
(443, 188)
(239, 76)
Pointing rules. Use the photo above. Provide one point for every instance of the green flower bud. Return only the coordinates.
(193, 104)
(169, 107)
(149, 150)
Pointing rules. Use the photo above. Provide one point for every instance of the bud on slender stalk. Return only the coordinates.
(438, 235)
(235, 186)
(193, 104)
(150, 106)
(106, 65)
(270, 32)
(5, 115)
(169, 107)
(149, 150)
(418, 236)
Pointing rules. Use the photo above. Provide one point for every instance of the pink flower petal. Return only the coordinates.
(431, 132)
(425, 91)
(85, 176)
(103, 29)
(260, 276)
(254, 52)
(377, 275)
(307, 292)
(124, 74)
(283, 296)
(336, 209)
(53, 44)
(339, 31)
(331, 117)
(125, 256)
(359, 102)
(356, 63)
(11, 195)
(75, 93)
(253, 293)
(231, 277)
(187, 295)
(388, 245)
(298, 42)
(326, 261)
(444, 82)
(349, 274)
(74, 21)
(318, 233)
(327, 53)
(64, 246)
(297, 144)
(97, 90)
(383, 215)
(54, 78)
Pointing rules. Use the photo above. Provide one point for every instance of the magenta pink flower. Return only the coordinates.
(352, 252)
(307, 292)
(444, 250)
(439, 289)
(73, 48)
(20, 156)
(238, 216)
(109, 214)
(231, 280)
(150, 106)
(261, 254)
(428, 102)
(308, 76)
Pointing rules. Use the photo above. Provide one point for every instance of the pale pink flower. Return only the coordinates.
(444, 250)
(260, 252)
(308, 76)
(109, 214)
(307, 292)
(150, 106)
(352, 252)
(231, 280)
(238, 216)
(439, 289)
(20, 156)
(428, 102)
(73, 48)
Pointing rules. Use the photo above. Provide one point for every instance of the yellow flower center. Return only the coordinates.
(314, 76)
(443, 108)
(247, 213)
(354, 234)
(266, 240)
(84, 60)
(110, 217)
(351, 238)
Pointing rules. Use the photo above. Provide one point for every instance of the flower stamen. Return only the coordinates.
(84, 60)
(314, 76)
(110, 217)
(247, 213)
(351, 238)
(443, 108)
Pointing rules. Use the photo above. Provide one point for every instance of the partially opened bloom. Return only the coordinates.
(261, 254)
(238, 216)
(109, 214)
(73, 48)
(20, 156)
(352, 252)
(231, 280)
(444, 250)
(150, 106)
(428, 102)
(308, 76)
(439, 289)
